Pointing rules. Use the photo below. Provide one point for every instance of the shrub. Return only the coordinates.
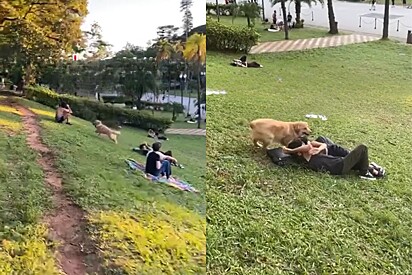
(168, 107)
(230, 38)
(91, 110)
(299, 25)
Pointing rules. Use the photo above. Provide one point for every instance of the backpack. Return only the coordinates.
(279, 158)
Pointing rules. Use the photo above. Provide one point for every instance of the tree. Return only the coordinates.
(195, 52)
(168, 33)
(137, 77)
(251, 11)
(40, 32)
(185, 6)
(218, 10)
(385, 33)
(298, 7)
(96, 48)
(163, 55)
(333, 27)
(285, 22)
(187, 26)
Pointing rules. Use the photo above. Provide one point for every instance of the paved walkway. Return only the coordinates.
(350, 15)
(189, 132)
(311, 43)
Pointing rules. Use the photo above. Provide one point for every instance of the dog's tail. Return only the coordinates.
(116, 132)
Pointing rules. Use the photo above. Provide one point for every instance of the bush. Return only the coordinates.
(230, 38)
(299, 25)
(91, 110)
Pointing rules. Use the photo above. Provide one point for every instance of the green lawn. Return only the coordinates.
(306, 32)
(263, 219)
(180, 122)
(23, 200)
(141, 227)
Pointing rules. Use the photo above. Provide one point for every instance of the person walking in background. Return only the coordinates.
(289, 20)
(274, 18)
(373, 7)
(393, 3)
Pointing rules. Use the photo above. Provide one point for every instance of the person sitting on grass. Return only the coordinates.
(63, 113)
(337, 161)
(158, 164)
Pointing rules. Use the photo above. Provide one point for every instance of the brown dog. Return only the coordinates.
(103, 129)
(269, 131)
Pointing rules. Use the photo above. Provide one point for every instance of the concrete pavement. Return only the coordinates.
(311, 43)
(351, 15)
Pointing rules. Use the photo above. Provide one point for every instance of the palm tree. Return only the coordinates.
(298, 7)
(195, 52)
(178, 49)
(164, 53)
(333, 26)
(217, 11)
(251, 11)
(285, 22)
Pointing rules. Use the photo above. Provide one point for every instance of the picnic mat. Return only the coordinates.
(173, 182)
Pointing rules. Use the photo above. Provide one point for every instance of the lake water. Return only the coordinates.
(188, 104)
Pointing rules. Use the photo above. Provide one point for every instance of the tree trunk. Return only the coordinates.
(333, 28)
(248, 21)
(217, 11)
(188, 104)
(298, 10)
(385, 34)
(199, 118)
(263, 10)
(285, 19)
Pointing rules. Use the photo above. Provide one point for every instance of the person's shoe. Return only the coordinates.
(367, 176)
(68, 123)
(376, 166)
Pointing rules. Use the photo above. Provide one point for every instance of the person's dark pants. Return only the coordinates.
(357, 159)
(333, 149)
(337, 151)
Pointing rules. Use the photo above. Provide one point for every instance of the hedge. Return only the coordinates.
(91, 109)
(230, 38)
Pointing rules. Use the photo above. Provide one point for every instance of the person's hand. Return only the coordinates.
(314, 151)
(286, 150)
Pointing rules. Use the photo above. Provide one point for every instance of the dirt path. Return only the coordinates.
(66, 221)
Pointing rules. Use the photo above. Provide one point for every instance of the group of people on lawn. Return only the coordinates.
(157, 162)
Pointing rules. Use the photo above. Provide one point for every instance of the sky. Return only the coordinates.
(136, 21)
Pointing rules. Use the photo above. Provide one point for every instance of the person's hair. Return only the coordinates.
(156, 146)
(296, 143)
(304, 139)
(143, 146)
(63, 104)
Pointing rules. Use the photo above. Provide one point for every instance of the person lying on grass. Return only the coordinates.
(158, 164)
(63, 113)
(335, 159)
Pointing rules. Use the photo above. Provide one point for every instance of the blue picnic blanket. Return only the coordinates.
(172, 181)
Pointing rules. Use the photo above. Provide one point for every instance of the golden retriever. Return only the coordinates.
(269, 131)
(103, 129)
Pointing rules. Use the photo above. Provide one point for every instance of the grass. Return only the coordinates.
(265, 36)
(23, 199)
(180, 122)
(119, 202)
(263, 219)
